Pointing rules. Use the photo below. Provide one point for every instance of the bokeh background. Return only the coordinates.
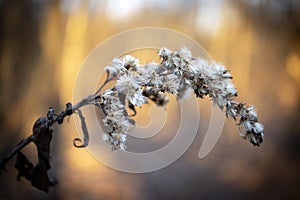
(43, 43)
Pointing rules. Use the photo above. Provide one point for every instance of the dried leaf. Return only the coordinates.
(42, 139)
(24, 167)
(131, 107)
(37, 175)
(42, 136)
(85, 132)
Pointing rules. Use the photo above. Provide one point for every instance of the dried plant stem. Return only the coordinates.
(85, 101)
(59, 119)
(14, 151)
(178, 74)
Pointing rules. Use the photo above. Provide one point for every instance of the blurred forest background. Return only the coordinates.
(43, 43)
